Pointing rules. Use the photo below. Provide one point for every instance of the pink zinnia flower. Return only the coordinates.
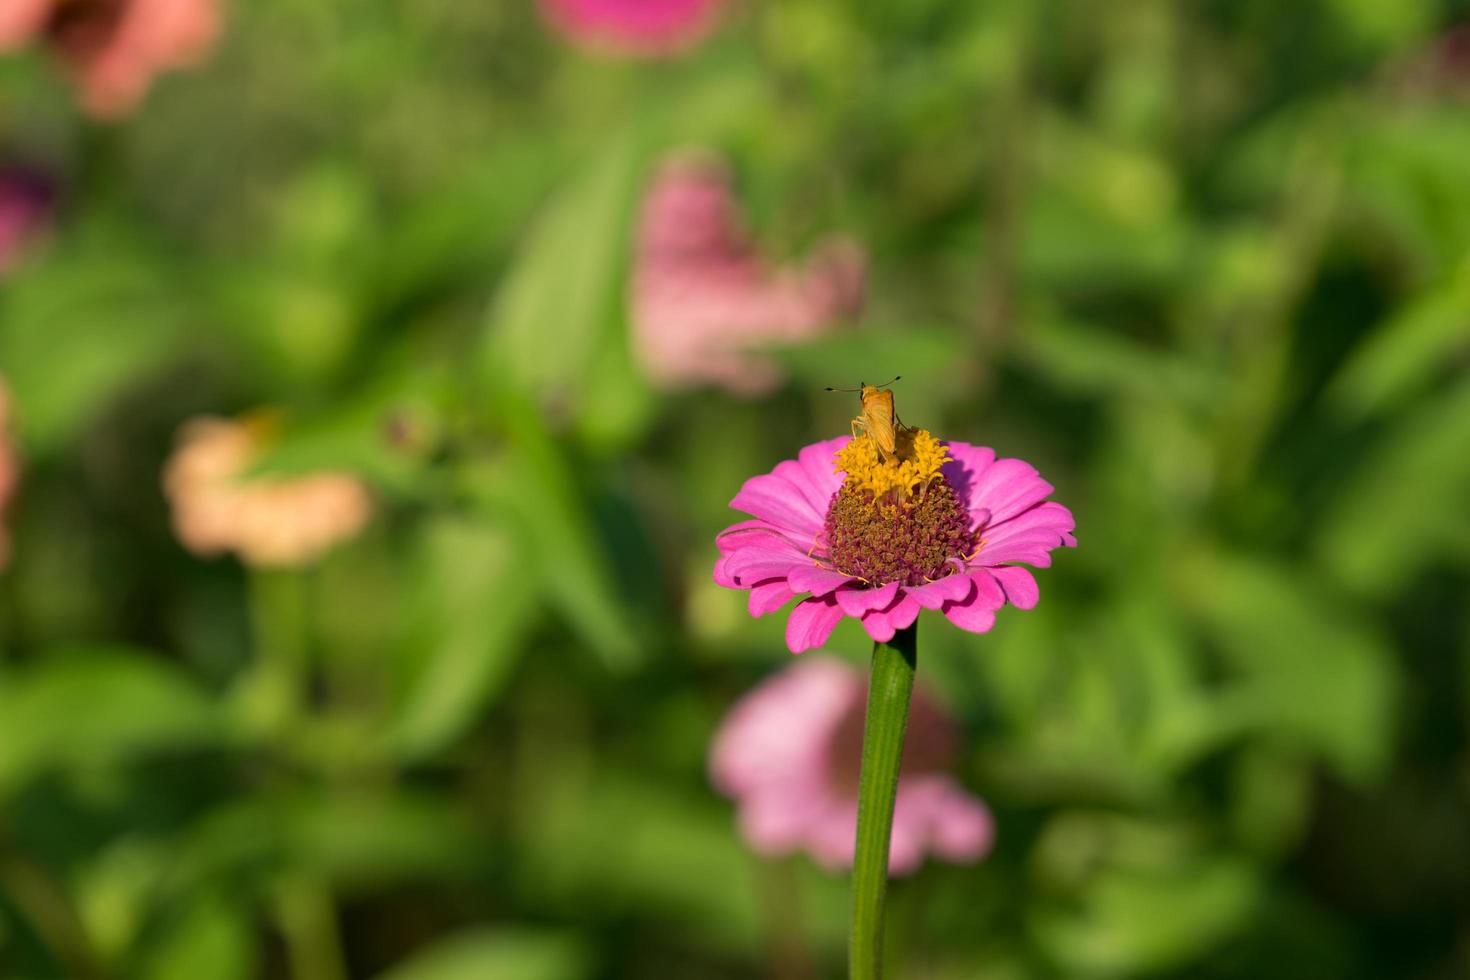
(634, 28)
(939, 526)
(114, 48)
(9, 471)
(266, 520)
(25, 209)
(789, 752)
(704, 302)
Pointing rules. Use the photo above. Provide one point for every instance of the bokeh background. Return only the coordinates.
(1206, 264)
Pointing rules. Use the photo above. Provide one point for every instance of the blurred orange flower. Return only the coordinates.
(113, 48)
(266, 520)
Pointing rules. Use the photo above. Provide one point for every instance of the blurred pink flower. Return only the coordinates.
(266, 520)
(948, 539)
(113, 48)
(9, 471)
(788, 753)
(704, 302)
(26, 202)
(634, 28)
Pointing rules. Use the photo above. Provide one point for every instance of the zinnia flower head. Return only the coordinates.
(938, 526)
(789, 753)
(704, 302)
(634, 28)
(113, 48)
(9, 471)
(266, 520)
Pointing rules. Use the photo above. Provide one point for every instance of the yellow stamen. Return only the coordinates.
(896, 479)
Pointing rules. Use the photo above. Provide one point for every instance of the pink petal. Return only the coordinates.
(975, 616)
(965, 830)
(1007, 487)
(798, 477)
(815, 579)
(818, 463)
(750, 565)
(1028, 537)
(951, 588)
(966, 462)
(768, 596)
(773, 823)
(811, 622)
(776, 738)
(758, 532)
(857, 601)
(830, 836)
(988, 592)
(954, 824)
(723, 577)
(882, 625)
(774, 499)
(905, 849)
(1019, 585)
(21, 21)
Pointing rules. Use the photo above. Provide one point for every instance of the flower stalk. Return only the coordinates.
(890, 690)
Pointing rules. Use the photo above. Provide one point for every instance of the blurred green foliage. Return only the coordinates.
(1207, 265)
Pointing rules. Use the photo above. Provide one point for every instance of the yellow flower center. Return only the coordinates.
(913, 467)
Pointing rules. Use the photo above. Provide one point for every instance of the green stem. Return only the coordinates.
(39, 896)
(889, 690)
(308, 921)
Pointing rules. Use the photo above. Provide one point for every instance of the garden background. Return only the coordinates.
(1205, 264)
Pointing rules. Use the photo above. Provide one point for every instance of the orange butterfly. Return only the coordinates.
(878, 418)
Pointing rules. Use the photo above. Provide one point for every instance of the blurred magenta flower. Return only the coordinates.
(26, 204)
(113, 48)
(634, 28)
(879, 540)
(266, 520)
(9, 471)
(704, 302)
(788, 753)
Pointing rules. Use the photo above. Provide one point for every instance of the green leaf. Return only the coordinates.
(670, 846)
(1404, 503)
(384, 433)
(209, 939)
(1303, 667)
(532, 484)
(498, 954)
(561, 297)
(75, 331)
(1132, 921)
(1094, 360)
(472, 603)
(1404, 354)
(97, 706)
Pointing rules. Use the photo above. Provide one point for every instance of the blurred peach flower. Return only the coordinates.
(266, 520)
(634, 28)
(788, 753)
(26, 203)
(9, 471)
(703, 300)
(113, 48)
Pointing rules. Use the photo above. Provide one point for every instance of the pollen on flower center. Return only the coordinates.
(918, 459)
(897, 520)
